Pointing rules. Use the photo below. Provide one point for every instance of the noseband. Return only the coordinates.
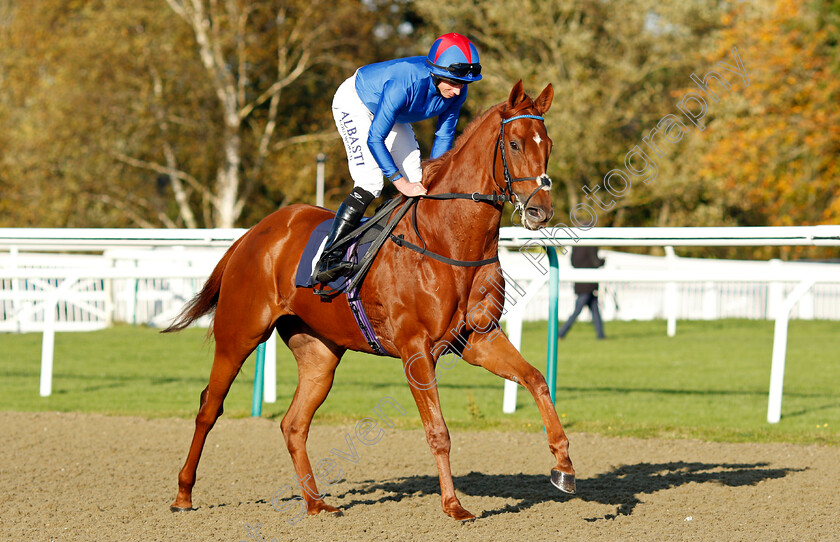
(544, 180)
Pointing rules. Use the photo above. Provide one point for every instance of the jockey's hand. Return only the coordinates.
(409, 189)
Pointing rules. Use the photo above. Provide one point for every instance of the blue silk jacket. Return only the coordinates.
(402, 90)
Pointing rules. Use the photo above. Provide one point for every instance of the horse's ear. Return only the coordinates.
(544, 101)
(517, 94)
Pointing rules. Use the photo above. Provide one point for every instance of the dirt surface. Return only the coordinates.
(86, 477)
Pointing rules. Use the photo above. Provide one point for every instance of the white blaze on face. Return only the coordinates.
(537, 138)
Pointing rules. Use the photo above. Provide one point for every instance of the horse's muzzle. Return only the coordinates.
(535, 217)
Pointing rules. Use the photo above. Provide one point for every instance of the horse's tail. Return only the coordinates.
(206, 300)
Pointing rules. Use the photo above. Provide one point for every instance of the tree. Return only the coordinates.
(123, 114)
(246, 75)
(775, 154)
(769, 153)
(614, 66)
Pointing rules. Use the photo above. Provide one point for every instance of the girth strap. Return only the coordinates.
(355, 302)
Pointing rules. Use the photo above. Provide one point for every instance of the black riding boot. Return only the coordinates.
(347, 219)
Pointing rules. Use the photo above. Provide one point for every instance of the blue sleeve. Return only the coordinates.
(393, 99)
(445, 132)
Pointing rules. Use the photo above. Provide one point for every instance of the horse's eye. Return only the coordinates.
(514, 145)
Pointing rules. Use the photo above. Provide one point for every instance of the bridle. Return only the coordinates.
(544, 180)
(544, 183)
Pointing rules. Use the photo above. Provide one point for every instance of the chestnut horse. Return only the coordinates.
(414, 302)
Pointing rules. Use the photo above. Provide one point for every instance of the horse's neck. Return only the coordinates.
(461, 228)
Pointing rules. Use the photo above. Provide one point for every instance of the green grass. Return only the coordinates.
(708, 382)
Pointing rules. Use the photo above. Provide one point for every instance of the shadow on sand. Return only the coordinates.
(621, 487)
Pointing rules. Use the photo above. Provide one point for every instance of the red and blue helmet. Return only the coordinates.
(454, 57)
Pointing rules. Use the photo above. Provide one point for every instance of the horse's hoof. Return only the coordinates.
(327, 509)
(564, 482)
(180, 509)
(460, 514)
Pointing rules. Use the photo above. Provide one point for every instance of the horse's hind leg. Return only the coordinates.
(228, 359)
(317, 360)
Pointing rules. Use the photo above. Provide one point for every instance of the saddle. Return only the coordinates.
(359, 248)
(366, 240)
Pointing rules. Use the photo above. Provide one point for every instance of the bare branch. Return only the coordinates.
(262, 150)
(173, 173)
(224, 72)
(280, 84)
(306, 138)
(193, 13)
(241, 21)
(301, 37)
(181, 196)
(119, 202)
(179, 8)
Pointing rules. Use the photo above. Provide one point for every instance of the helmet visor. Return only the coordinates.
(461, 69)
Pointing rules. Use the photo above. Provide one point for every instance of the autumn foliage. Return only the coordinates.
(135, 114)
(776, 151)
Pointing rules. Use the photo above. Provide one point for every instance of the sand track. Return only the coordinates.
(87, 477)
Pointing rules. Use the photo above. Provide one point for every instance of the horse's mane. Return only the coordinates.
(431, 167)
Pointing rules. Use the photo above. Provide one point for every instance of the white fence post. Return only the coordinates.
(319, 179)
(514, 333)
(270, 370)
(48, 345)
(130, 294)
(777, 368)
(710, 301)
(671, 294)
(48, 339)
(15, 283)
(775, 291)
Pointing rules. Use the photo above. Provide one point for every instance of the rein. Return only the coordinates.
(424, 250)
(506, 195)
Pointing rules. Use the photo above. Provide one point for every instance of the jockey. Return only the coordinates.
(373, 112)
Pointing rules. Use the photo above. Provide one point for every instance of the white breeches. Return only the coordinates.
(353, 119)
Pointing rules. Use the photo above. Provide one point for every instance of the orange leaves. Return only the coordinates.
(783, 152)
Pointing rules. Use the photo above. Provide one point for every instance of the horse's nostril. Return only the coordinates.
(535, 213)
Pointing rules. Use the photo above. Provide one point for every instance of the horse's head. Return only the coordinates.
(522, 152)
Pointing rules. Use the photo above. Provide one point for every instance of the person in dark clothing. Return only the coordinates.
(587, 292)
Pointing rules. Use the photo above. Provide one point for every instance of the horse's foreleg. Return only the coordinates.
(420, 372)
(225, 368)
(317, 362)
(495, 353)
